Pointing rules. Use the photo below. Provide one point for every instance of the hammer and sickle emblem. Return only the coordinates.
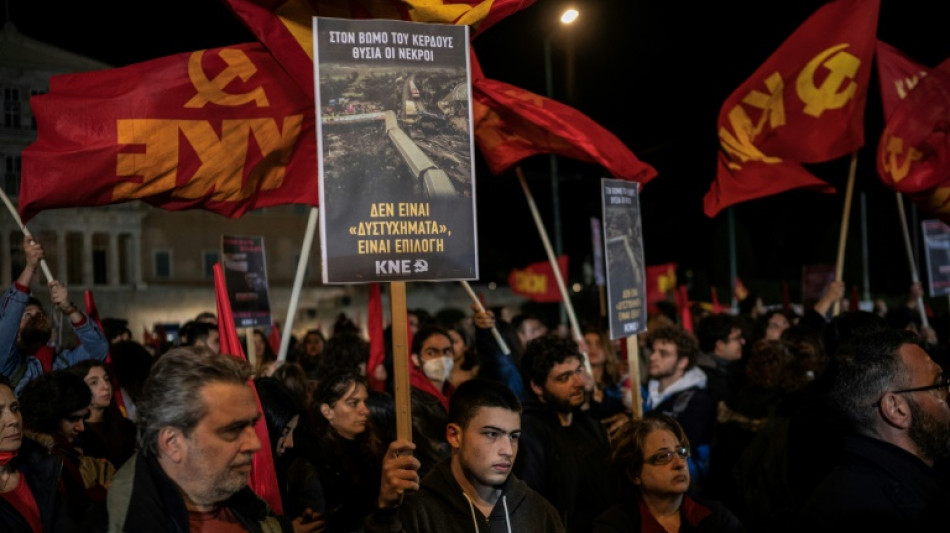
(238, 66)
(895, 148)
(842, 68)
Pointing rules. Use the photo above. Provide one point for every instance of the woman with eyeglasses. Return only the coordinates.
(652, 453)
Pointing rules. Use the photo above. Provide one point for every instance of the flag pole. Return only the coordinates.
(401, 391)
(633, 370)
(481, 309)
(298, 283)
(914, 277)
(575, 328)
(26, 232)
(845, 216)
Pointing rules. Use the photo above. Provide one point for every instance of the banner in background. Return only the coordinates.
(937, 245)
(245, 272)
(626, 279)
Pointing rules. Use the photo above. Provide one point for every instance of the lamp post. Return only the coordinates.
(567, 17)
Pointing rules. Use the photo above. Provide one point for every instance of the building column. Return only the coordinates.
(61, 256)
(87, 270)
(113, 273)
(135, 258)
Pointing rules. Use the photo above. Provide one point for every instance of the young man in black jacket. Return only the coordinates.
(474, 490)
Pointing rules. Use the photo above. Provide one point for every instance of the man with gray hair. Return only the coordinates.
(196, 439)
(893, 399)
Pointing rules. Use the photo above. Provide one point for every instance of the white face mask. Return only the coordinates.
(438, 369)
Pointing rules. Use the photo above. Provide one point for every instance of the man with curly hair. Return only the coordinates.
(563, 449)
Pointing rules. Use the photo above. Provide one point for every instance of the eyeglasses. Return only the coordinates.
(665, 458)
(944, 384)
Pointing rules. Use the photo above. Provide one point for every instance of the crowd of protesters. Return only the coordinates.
(765, 420)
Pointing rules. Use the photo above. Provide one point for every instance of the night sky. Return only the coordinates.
(653, 72)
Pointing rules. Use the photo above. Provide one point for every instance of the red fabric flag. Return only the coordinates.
(716, 308)
(537, 282)
(912, 155)
(263, 477)
(222, 129)
(682, 303)
(661, 279)
(377, 344)
(273, 338)
(285, 27)
(805, 104)
(93, 312)
(511, 124)
(897, 75)
(855, 300)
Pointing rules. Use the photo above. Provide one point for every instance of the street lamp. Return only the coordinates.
(567, 17)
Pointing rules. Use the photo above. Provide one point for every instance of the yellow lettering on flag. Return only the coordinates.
(223, 160)
(531, 283)
(740, 142)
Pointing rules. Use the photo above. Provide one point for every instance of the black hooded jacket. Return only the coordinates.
(441, 506)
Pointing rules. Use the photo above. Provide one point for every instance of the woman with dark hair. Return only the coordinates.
(345, 452)
(652, 454)
(106, 434)
(29, 476)
(282, 413)
(466, 362)
(55, 406)
(309, 351)
(606, 399)
(266, 357)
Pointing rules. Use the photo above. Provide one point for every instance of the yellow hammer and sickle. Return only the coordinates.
(895, 147)
(842, 66)
(239, 66)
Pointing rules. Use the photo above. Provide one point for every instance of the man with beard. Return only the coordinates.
(678, 388)
(196, 419)
(893, 400)
(564, 452)
(25, 327)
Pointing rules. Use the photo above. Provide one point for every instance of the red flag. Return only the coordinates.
(377, 344)
(511, 124)
(912, 155)
(222, 129)
(661, 279)
(855, 300)
(93, 312)
(682, 303)
(897, 75)
(536, 281)
(263, 477)
(273, 338)
(284, 26)
(805, 104)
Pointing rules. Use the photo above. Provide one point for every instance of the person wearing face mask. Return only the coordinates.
(432, 360)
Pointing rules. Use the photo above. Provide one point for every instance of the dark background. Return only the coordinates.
(653, 72)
